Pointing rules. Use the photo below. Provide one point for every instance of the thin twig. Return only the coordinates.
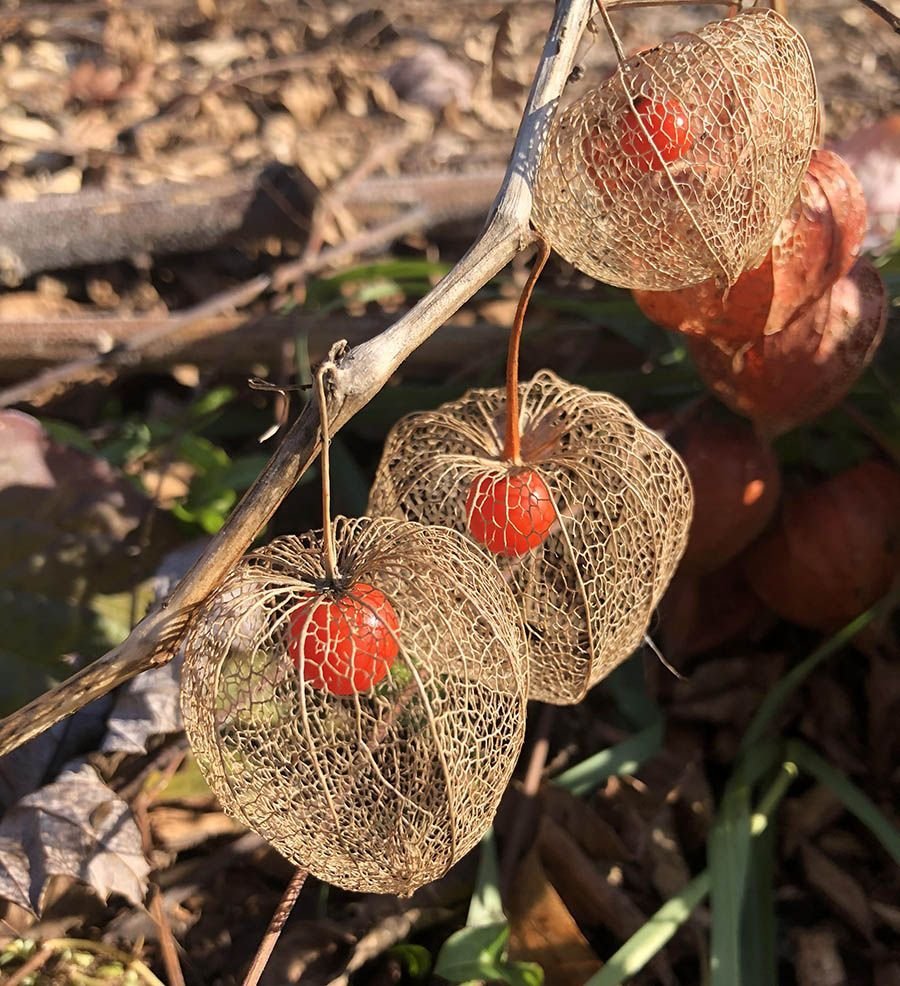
(883, 13)
(167, 945)
(328, 552)
(276, 925)
(36, 962)
(358, 377)
(511, 447)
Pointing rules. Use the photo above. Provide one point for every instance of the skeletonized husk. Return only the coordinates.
(384, 790)
(623, 505)
(748, 90)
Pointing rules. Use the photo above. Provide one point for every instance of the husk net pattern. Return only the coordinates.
(624, 215)
(380, 790)
(622, 500)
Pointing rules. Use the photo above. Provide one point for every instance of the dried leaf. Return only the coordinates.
(177, 829)
(75, 827)
(34, 763)
(543, 931)
(807, 815)
(14, 877)
(726, 690)
(817, 961)
(588, 893)
(842, 891)
(593, 833)
(150, 705)
(509, 64)
(147, 706)
(887, 974)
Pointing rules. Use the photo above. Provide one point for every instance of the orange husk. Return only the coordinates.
(835, 549)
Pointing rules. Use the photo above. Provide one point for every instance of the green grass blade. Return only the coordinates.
(798, 674)
(760, 963)
(653, 936)
(729, 856)
(623, 758)
(855, 801)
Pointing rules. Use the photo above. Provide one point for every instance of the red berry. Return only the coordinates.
(509, 514)
(668, 133)
(347, 644)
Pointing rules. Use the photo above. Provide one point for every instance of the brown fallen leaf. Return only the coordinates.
(542, 930)
(669, 872)
(589, 895)
(817, 961)
(596, 836)
(726, 690)
(842, 891)
(805, 816)
(177, 829)
(887, 974)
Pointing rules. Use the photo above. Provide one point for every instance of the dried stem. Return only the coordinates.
(511, 448)
(329, 555)
(892, 19)
(357, 378)
(276, 925)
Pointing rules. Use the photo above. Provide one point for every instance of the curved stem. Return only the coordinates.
(329, 555)
(511, 447)
(273, 932)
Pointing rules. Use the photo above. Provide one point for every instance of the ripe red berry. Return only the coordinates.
(668, 133)
(344, 644)
(510, 514)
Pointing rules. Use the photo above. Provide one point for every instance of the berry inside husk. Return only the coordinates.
(346, 644)
(667, 138)
(510, 514)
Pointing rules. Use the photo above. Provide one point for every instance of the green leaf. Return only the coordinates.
(212, 401)
(415, 959)
(523, 974)
(473, 953)
(201, 453)
(623, 758)
(653, 936)
(729, 854)
(855, 801)
(758, 930)
(486, 906)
